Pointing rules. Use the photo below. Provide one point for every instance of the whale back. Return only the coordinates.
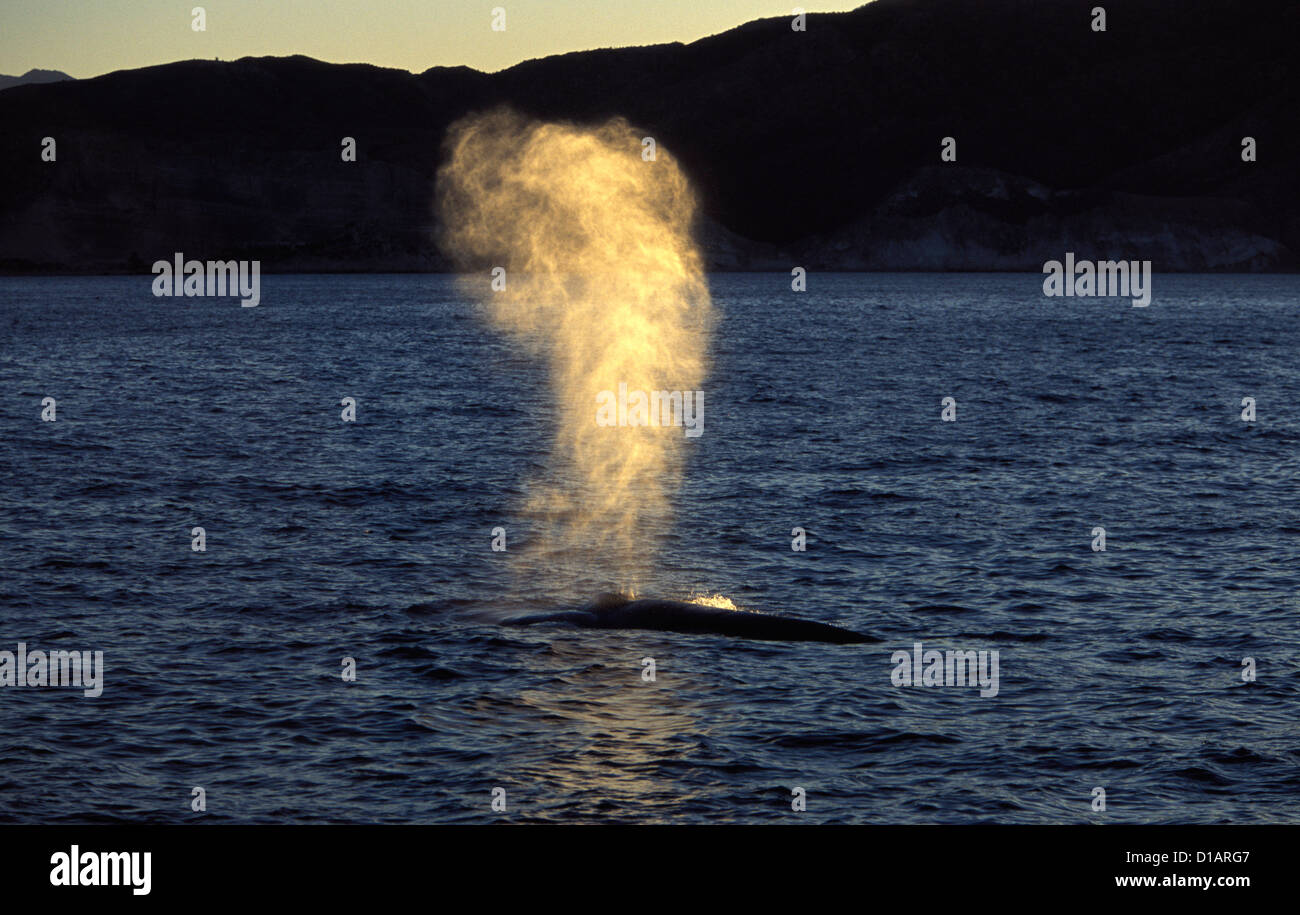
(682, 616)
(621, 611)
(608, 600)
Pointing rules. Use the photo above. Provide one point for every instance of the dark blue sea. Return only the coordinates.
(1120, 669)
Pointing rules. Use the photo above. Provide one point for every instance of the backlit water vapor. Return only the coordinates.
(604, 282)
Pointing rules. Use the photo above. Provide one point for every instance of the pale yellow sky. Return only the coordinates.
(89, 37)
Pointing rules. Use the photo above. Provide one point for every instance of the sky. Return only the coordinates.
(89, 37)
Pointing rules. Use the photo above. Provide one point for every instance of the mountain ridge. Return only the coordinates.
(33, 76)
(819, 149)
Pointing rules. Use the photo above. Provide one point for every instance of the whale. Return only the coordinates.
(620, 611)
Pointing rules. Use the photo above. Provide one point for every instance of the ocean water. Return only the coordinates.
(370, 540)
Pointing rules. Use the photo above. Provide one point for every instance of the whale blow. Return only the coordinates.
(620, 611)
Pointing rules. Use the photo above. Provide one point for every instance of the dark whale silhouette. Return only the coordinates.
(618, 611)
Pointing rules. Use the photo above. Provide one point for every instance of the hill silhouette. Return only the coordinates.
(818, 148)
(33, 76)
